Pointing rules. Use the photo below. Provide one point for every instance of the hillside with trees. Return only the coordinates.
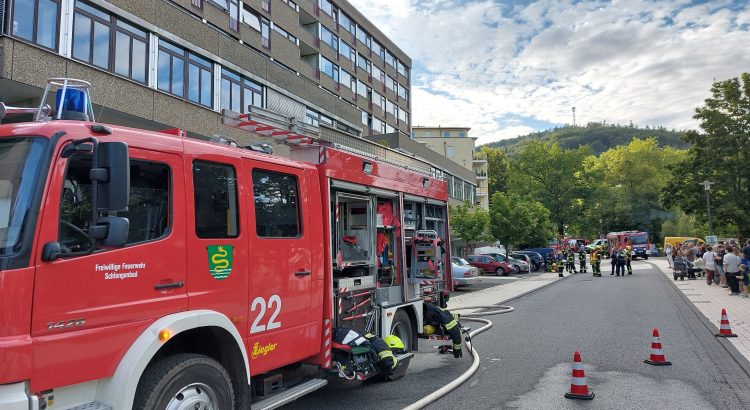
(598, 136)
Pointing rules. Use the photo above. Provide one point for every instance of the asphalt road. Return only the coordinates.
(527, 355)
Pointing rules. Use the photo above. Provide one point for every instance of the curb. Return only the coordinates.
(741, 360)
(528, 292)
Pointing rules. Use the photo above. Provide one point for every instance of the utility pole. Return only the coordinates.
(574, 116)
(707, 187)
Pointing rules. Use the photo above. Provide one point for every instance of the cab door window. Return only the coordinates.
(276, 205)
(148, 211)
(216, 203)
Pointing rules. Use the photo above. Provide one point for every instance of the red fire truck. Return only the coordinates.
(637, 240)
(146, 270)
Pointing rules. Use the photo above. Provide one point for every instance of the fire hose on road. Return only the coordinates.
(469, 317)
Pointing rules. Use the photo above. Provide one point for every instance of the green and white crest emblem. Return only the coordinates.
(220, 261)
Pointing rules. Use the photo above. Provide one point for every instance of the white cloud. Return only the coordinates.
(505, 69)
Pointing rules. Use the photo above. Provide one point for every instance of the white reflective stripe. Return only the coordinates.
(327, 322)
(577, 366)
(327, 332)
(328, 363)
(657, 352)
(579, 381)
(360, 341)
(349, 337)
(655, 340)
(327, 342)
(723, 326)
(328, 353)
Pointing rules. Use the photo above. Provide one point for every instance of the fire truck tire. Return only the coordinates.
(401, 327)
(185, 381)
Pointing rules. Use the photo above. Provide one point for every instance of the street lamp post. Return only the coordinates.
(707, 187)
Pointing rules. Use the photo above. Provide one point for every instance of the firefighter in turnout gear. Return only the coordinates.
(596, 263)
(582, 260)
(571, 260)
(620, 256)
(438, 317)
(628, 258)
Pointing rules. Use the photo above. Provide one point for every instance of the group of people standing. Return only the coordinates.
(725, 265)
(564, 260)
(621, 258)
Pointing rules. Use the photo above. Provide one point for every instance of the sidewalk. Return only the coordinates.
(710, 300)
(502, 293)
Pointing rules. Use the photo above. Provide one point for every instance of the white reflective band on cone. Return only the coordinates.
(579, 381)
(577, 366)
(657, 352)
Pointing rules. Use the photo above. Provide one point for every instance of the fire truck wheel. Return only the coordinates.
(401, 327)
(185, 382)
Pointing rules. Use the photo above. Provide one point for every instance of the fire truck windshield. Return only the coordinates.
(638, 240)
(20, 162)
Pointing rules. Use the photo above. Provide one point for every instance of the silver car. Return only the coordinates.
(518, 265)
(463, 273)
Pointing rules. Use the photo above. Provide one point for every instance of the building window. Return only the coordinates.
(276, 205)
(449, 151)
(378, 126)
(291, 4)
(260, 24)
(378, 100)
(461, 134)
(238, 94)
(312, 117)
(391, 60)
(362, 36)
(403, 115)
(390, 83)
(364, 118)
(402, 69)
(390, 108)
(446, 134)
(327, 7)
(346, 23)
(329, 38)
(378, 74)
(232, 7)
(175, 65)
(347, 51)
(329, 69)
(285, 34)
(36, 21)
(95, 32)
(219, 217)
(347, 80)
(378, 50)
(364, 63)
(403, 92)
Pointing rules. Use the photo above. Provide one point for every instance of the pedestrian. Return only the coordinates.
(746, 253)
(710, 264)
(743, 280)
(719, 258)
(668, 252)
(732, 262)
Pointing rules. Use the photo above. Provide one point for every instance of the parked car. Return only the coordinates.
(541, 251)
(598, 242)
(533, 266)
(488, 264)
(516, 265)
(537, 260)
(463, 273)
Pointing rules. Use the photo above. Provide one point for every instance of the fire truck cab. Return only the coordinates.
(637, 240)
(145, 270)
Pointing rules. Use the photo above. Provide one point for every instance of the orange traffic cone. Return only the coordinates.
(657, 355)
(579, 388)
(724, 329)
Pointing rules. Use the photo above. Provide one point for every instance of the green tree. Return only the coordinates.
(553, 176)
(720, 154)
(469, 223)
(517, 221)
(497, 169)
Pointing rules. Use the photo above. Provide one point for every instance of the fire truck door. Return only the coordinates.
(281, 270)
(87, 310)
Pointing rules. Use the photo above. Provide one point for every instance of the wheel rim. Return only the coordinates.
(196, 396)
(400, 330)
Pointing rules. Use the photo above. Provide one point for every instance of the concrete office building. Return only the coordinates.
(455, 144)
(316, 66)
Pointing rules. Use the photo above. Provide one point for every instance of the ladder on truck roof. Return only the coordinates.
(295, 134)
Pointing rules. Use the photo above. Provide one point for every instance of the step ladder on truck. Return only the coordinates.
(144, 269)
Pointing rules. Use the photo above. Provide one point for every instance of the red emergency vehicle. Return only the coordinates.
(637, 240)
(146, 270)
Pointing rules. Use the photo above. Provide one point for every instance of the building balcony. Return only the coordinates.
(482, 192)
(481, 176)
(480, 160)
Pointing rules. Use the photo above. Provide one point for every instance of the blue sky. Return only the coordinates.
(506, 68)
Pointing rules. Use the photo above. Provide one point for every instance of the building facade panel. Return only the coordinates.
(187, 27)
(285, 51)
(217, 16)
(287, 18)
(284, 105)
(243, 57)
(143, 9)
(33, 66)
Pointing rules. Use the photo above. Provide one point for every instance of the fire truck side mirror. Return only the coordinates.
(113, 174)
(116, 231)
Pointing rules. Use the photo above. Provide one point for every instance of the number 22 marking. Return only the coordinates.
(260, 303)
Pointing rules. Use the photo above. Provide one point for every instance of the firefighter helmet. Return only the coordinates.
(394, 342)
(428, 329)
(628, 248)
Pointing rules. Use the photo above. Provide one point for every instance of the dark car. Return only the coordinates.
(541, 251)
(489, 264)
(536, 258)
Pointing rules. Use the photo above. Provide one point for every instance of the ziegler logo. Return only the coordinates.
(259, 350)
(66, 324)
